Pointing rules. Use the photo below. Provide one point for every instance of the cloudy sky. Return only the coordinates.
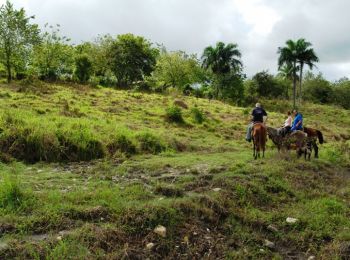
(259, 27)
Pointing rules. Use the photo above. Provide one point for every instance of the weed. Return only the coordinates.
(197, 115)
(174, 115)
(150, 143)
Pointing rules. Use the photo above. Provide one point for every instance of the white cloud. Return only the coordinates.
(259, 27)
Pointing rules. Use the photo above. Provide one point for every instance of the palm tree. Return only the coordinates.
(288, 56)
(306, 55)
(222, 59)
(286, 73)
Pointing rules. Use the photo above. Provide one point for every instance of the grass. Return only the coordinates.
(89, 173)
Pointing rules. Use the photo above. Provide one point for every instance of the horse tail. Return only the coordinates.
(320, 136)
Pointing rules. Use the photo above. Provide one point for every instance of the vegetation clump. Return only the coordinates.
(174, 115)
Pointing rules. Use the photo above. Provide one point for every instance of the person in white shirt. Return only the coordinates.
(287, 124)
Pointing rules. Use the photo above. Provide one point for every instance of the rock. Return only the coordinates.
(262, 250)
(160, 230)
(312, 257)
(59, 238)
(3, 246)
(272, 228)
(269, 244)
(180, 103)
(149, 246)
(217, 189)
(291, 220)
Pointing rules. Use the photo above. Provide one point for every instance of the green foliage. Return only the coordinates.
(17, 36)
(122, 143)
(292, 59)
(150, 143)
(197, 115)
(131, 59)
(177, 69)
(317, 89)
(222, 58)
(54, 57)
(83, 68)
(68, 249)
(174, 114)
(223, 61)
(341, 93)
(13, 197)
(266, 85)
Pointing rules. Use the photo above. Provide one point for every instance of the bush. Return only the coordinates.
(174, 114)
(123, 144)
(83, 68)
(197, 115)
(150, 143)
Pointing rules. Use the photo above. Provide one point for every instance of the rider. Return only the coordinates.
(287, 124)
(298, 121)
(258, 114)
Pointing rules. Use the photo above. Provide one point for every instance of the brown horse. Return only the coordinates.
(259, 139)
(314, 134)
(297, 140)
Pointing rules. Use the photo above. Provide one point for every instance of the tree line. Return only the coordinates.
(133, 62)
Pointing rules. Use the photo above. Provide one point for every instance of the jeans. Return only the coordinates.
(249, 132)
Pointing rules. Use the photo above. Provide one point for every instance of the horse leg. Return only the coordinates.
(314, 144)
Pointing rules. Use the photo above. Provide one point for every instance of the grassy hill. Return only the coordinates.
(90, 173)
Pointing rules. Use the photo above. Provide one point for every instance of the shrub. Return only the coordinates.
(197, 115)
(150, 143)
(174, 114)
(79, 145)
(83, 68)
(122, 143)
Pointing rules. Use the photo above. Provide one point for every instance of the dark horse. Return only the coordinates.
(297, 140)
(313, 134)
(259, 139)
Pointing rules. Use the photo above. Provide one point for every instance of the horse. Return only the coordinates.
(259, 139)
(314, 134)
(297, 140)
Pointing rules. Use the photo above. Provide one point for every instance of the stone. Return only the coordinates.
(269, 244)
(217, 189)
(149, 246)
(312, 257)
(180, 103)
(291, 220)
(160, 230)
(3, 246)
(272, 228)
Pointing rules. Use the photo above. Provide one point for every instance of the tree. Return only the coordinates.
(267, 85)
(177, 69)
(286, 73)
(305, 55)
(83, 68)
(288, 56)
(293, 54)
(54, 57)
(17, 36)
(131, 58)
(222, 60)
(318, 89)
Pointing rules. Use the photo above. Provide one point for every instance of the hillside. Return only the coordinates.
(90, 173)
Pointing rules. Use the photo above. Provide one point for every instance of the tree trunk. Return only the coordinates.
(8, 68)
(294, 85)
(300, 81)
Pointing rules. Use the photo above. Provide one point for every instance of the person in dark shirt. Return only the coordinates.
(258, 114)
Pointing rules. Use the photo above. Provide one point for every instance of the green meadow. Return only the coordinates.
(90, 173)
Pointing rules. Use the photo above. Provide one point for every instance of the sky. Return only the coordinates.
(259, 27)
